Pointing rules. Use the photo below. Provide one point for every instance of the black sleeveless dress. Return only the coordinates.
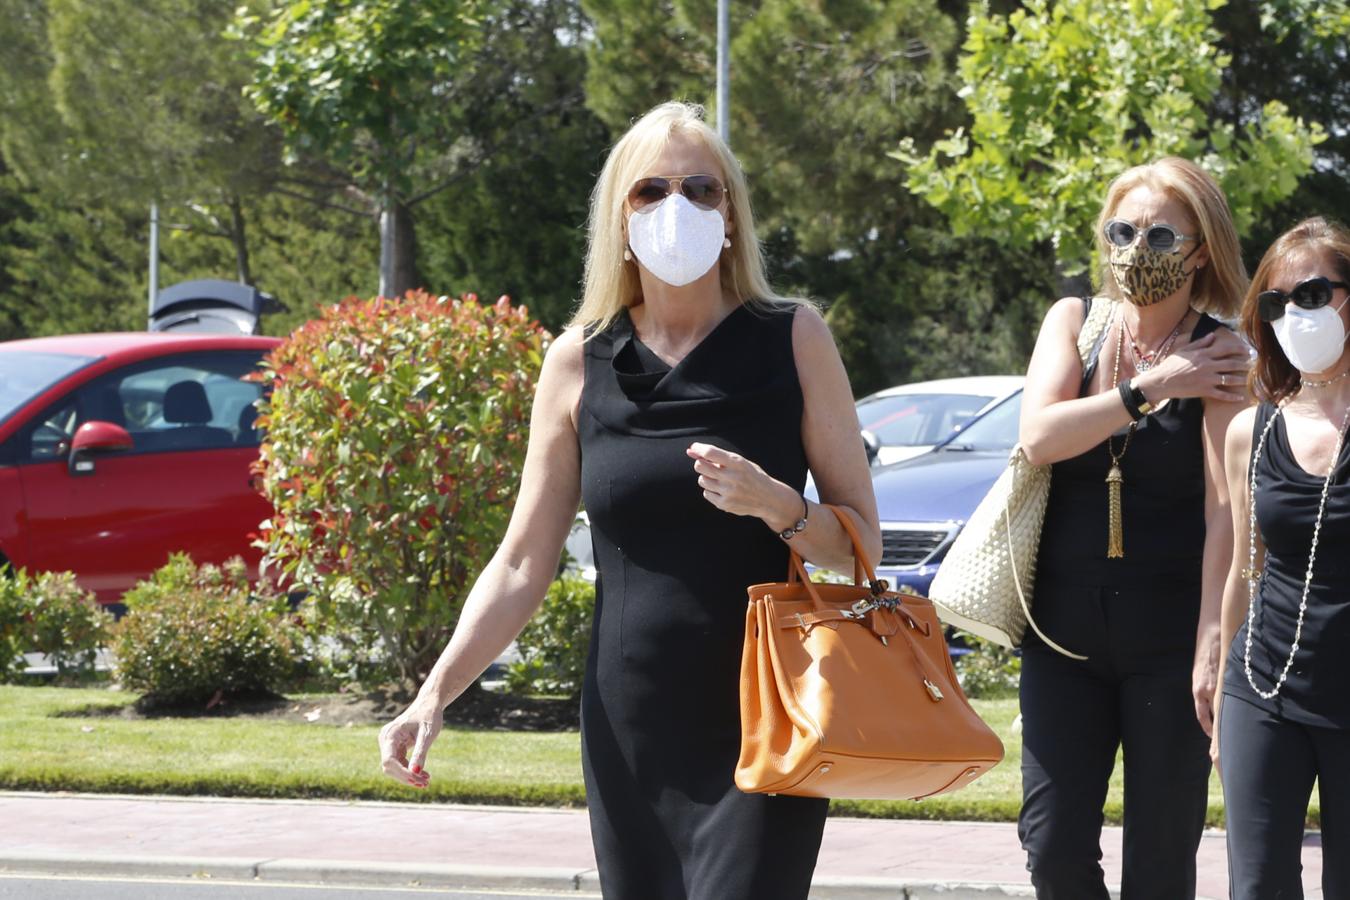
(660, 716)
(1287, 497)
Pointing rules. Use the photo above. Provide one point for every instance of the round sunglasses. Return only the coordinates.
(1314, 293)
(1158, 236)
(704, 191)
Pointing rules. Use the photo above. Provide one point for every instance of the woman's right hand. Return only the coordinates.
(1213, 367)
(404, 743)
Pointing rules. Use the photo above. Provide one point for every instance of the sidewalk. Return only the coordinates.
(494, 847)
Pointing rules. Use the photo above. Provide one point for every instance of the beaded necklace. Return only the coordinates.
(1253, 577)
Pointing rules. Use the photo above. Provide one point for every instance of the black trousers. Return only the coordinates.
(1269, 765)
(1134, 692)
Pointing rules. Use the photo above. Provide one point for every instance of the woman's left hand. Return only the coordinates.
(737, 485)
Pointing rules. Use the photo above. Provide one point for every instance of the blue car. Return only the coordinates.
(923, 502)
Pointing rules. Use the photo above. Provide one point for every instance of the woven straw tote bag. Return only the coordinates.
(985, 582)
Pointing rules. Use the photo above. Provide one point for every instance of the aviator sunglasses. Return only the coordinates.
(1159, 236)
(1314, 293)
(704, 191)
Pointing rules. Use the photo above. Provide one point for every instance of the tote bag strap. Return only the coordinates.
(1021, 595)
(1096, 317)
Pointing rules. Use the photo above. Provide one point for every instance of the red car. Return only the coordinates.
(117, 450)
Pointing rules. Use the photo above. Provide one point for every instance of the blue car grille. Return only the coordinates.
(909, 547)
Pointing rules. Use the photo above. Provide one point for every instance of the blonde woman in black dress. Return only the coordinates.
(685, 404)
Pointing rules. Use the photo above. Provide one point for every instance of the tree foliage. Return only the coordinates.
(1064, 96)
(92, 131)
(370, 89)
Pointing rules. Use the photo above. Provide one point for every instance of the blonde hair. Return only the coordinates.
(1218, 287)
(611, 282)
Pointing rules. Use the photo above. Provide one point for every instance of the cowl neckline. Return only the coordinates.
(745, 362)
(642, 375)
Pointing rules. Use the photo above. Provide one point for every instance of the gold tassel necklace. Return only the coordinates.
(1115, 479)
(1115, 540)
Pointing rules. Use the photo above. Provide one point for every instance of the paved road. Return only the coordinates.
(27, 887)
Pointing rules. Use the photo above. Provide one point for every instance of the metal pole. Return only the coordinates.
(724, 70)
(154, 255)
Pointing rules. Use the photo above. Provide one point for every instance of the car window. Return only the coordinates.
(995, 430)
(198, 402)
(908, 420)
(24, 375)
(50, 439)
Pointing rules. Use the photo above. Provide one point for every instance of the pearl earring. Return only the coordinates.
(627, 255)
(726, 242)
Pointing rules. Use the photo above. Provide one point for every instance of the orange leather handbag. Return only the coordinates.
(848, 691)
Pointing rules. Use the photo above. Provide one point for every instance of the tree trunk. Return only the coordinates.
(239, 235)
(398, 256)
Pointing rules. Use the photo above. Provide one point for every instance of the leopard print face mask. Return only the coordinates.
(1146, 276)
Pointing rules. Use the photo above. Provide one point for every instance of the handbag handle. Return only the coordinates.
(862, 566)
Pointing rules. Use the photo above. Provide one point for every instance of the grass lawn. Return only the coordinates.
(40, 749)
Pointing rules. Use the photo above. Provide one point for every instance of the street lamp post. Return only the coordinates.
(724, 70)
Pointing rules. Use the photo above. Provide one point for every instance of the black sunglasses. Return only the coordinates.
(1314, 293)
(704, 191)
(1159, 236)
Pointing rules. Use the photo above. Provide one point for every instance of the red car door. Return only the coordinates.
(185, 485)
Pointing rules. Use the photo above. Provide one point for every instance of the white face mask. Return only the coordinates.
(677, 241)
(1311, 338)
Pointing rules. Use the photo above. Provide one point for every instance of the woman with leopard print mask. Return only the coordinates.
(1137, 538)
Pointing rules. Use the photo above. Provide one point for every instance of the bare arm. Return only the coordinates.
(1057, 424)
(514, 582)
(1218, 558)
(834, 452)
(1237, 459)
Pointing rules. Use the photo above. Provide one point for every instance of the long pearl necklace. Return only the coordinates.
(1253, 577)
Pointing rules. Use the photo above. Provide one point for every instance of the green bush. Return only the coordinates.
(13, 626)
(66, 623)
(395, 435)
(191, 633)
(49, 613)
(556, 641)
(988, 671)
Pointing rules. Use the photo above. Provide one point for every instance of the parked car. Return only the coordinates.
(924, 502)
(911, 419)
(117, 450)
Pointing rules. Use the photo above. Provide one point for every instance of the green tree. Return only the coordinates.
(820, 93)
(516, 220)
(1065, 96)
(81, 121)
(1296, 52)
(372, 90)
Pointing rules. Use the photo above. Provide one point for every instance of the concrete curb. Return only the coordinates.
(370, 874)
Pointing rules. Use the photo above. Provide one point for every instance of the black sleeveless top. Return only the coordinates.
(660, 709)
(1317, 691)
(1162, 500)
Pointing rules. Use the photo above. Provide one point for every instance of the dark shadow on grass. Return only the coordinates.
(476, 709)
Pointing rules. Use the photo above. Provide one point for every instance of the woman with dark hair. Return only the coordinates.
(1284, 713)
(1136, 538)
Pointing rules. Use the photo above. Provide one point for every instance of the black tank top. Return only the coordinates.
(1286, 510)
(1162, 500)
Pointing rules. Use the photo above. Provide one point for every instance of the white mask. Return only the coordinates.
(677, 241)
(1311, 338)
